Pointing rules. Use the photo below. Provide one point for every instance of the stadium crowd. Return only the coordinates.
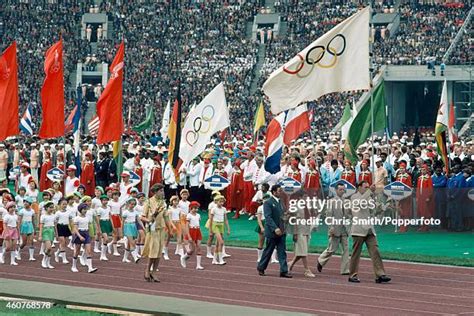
(205, 44)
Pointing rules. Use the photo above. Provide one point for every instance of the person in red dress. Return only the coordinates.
(348, 174)
(88, 174)
(405, 204)
(235, 192)
(424, 196)
(365, 174)
(295, 172)
(312, 183)
(156, 173)
(47, 165)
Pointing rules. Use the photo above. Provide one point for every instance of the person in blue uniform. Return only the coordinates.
(456, 193)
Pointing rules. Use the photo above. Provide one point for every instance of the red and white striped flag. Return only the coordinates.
(93, 126)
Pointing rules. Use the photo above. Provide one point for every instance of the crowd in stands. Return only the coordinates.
(204, 44)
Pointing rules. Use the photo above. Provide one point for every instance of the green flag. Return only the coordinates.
(118, 156)
(146, 124)
(361, 127)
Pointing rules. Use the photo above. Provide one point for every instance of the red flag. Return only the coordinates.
(9, 124)
(52, 93)
(109, 106)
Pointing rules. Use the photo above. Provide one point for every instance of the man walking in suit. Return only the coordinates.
(274, 233)
(337, 213)
(364, 232)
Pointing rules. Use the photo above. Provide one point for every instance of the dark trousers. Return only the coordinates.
(169, 192)
(271, 244)
(455, 214)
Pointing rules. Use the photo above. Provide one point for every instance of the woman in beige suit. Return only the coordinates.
(156, 219)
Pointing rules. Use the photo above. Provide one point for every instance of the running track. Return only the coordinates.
(415, 289)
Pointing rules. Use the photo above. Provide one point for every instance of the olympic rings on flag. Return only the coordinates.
(204, 120)
(315, 55)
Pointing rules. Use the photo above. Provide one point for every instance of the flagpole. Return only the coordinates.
(314, 152)
(371, 71)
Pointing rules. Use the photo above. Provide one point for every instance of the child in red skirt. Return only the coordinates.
(193, 227)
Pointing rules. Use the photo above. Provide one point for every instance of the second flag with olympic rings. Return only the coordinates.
(208, 117)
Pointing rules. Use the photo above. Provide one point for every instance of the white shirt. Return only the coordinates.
(71, 185)
(130, 216)
(48, 220)
(184, 207)
(10, 220)
(168, 176)
(90, 213)
(82, 223)
(174, 213)
(96, 203)
(23, 180)
(32, 194)
(193, 220)
(103, 212)
(218, 213)
(3, 212)
(56, 197)
(114, 207)
(249, 169)
(139, 209)
(72, 209)
(26, 215)
(19, 201)
(63, 217)
(125, 191)
(194, 172)
(205, 173)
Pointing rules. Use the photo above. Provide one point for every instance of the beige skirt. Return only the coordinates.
(154, 242)
(301, 246)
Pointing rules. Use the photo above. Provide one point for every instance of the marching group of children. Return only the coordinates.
(102, 225)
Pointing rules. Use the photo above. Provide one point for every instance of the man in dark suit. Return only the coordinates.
(274, 233)
(102, 170)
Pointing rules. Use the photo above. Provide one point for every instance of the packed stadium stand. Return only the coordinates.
(201, 43)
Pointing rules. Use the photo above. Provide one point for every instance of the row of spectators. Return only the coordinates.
(202, 44)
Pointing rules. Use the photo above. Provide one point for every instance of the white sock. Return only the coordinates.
(259, 254)
(125, 255)
(12, 257)
(74, 263)
(89, 264)
(198, 261)
(209, 249)
(31, 250)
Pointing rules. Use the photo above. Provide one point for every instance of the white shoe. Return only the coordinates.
(225, 255)
(103, 258)
(96, 250)
(92, 270)
(252, 217)
(199, 268)
(17, 255)
(13, 263)
(126, 260)
(50, 266)
(209, 256)
(56, 257)
(116, 254)
(274, 261)
(32, 259)
(109, 248)
(74, 269)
